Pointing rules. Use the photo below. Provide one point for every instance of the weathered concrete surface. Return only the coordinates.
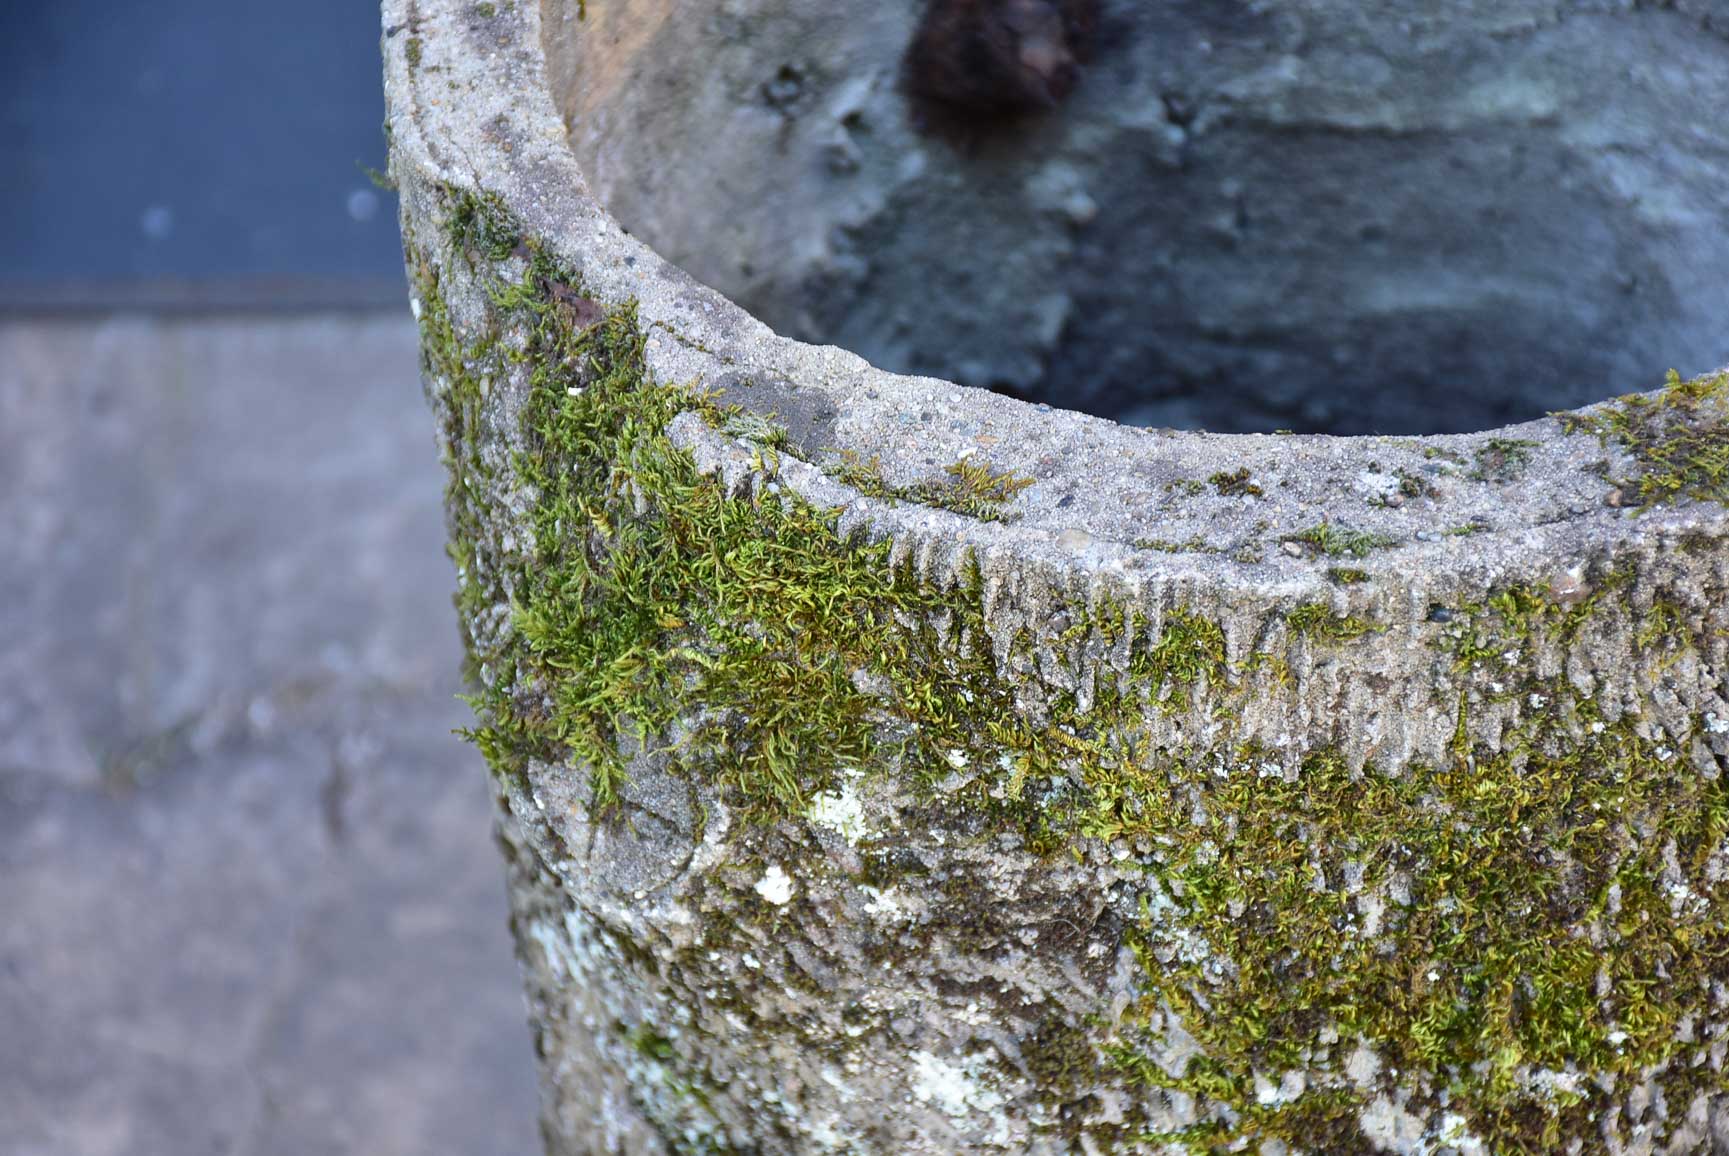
(1145, 792)
(249, 901)
(1247, 217)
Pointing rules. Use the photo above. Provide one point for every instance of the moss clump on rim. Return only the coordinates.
(1479, 925)
(1318, 621)
(1236, 484)
(971, 487)
(1340, 542)
(1679, 437)
(1195, 545)
(1502, 460)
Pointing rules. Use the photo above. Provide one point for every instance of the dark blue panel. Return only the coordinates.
(191, 139)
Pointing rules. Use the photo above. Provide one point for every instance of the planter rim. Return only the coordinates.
(470, 111)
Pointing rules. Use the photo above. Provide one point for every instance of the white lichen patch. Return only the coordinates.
(1378, 487)
(1455, 1134)
(840, 811)
(887, 905)
(956, 1089)
(775, 886)
(1288, 1089)
(1556, 1087)
(551, 946)
(1392, 1129)
(567, 949)
(1363, 1065)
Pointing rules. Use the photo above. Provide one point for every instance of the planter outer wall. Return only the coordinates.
(1116, 790)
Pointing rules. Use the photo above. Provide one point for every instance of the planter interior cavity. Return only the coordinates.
(1318, 216)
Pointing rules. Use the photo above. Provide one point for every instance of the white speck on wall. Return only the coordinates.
(1376, 485)
(886, 905)
(954, 1088)
(775, 886)
(840, 811)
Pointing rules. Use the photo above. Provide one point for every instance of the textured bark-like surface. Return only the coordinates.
(888, 766)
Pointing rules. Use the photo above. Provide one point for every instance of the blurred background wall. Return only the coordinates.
(249, 899)
(214, 148)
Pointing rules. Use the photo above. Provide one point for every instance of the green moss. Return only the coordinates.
(1414, 486)
(763, 431)
(377, 178)
(1347, 575)
(1195, 545)
(1679, 438)
(1498, 632)
(1189, 655)
(1514, 908)
(649, 597)
(1235, 484)
(648, 1043)
(1471, 921)
(971, 487)
(1340, 542)
(1316, 620)
(1664, 630)
(412, 51)
(478, 226)
(1502, 460)
(1060, 1058)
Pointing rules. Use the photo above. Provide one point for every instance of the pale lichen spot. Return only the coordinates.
(1391, 1128)
(775, 886)
(953, 1088)
(841, 811)
(1363, 1065)
(1455, 1134)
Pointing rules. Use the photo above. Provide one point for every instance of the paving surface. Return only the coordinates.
(248, 898)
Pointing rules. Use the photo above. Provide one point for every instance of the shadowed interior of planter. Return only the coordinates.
(1324, 215)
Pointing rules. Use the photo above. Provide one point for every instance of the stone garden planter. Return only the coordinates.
(886, 765)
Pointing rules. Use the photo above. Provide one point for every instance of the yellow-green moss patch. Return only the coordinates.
(1679, 437)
